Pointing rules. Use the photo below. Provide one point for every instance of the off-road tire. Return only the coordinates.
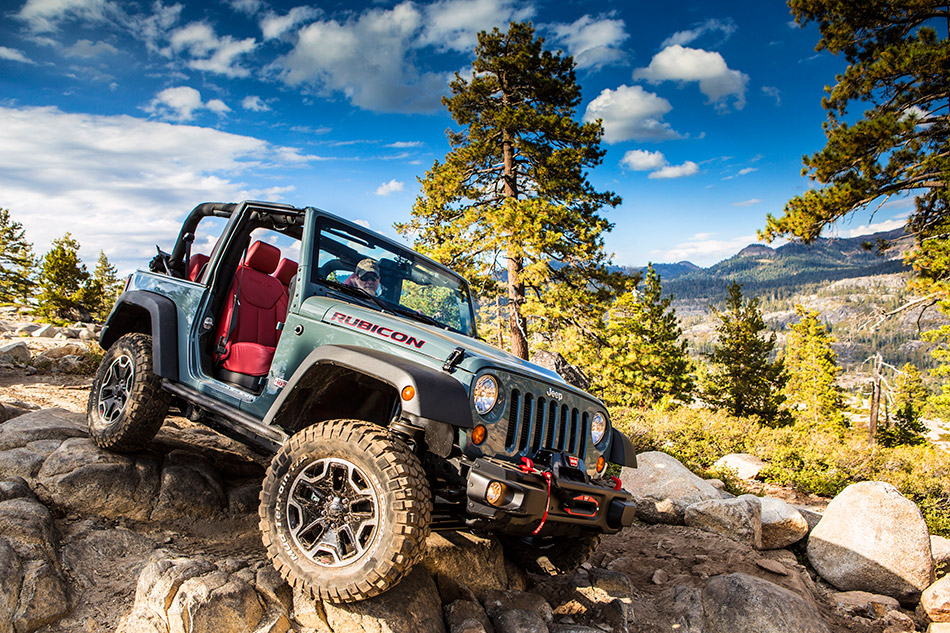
(125, 410)
(300, 471)
(551, 555)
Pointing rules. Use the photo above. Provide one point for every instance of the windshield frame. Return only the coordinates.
(324, 228)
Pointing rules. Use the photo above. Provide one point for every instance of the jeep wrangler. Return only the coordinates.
(355, 363)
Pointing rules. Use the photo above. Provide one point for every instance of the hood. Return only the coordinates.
(435, 343)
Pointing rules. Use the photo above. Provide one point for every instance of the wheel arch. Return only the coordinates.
(148, 313)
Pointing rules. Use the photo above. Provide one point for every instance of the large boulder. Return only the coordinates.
(663, 488)
(935, 600)
(742, 465)
(940, 549)
(782, 525)
(738, 519)
(872, 538)
(17, 353)
(461, 563)
(740, 603)
(45, 424)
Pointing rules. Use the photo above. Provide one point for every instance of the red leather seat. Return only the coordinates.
(286, 270)
(196, 266)
(262, 304)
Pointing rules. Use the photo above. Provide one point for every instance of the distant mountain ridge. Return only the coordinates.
(761, 269)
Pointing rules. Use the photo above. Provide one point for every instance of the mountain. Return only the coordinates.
(783, 270)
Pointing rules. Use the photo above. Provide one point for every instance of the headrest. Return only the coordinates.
(195, 264)
(286, 269)
(262, 257)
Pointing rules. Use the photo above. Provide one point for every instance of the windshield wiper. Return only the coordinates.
(359, 294)
(414, 314)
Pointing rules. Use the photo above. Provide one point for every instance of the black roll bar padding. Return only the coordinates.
(203, 210)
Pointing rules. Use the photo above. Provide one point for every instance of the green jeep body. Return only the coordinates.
(344, 357)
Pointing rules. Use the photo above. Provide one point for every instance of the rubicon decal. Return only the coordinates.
(379, 330)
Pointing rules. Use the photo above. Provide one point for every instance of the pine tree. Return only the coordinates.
(17, 262)
(511, 207)
(644, 360)
(910, 398)
(99, 292)
(812, 369)
(62, 279)
(742, 380)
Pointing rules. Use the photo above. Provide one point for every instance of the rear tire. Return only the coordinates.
(345, 510)
(126, 403)
(551, 555)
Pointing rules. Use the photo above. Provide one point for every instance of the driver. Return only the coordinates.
(365, 277)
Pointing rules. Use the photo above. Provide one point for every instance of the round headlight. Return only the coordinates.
(485, 393)
(598, 426)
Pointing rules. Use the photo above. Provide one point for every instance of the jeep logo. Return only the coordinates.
(557, 395)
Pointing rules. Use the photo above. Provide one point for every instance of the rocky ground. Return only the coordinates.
(167, 540)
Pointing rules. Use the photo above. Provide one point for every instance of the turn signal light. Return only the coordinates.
(408, 393)
(495, 494)
(479, 433)
(601, 463)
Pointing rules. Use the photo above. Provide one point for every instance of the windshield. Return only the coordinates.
(395, 279)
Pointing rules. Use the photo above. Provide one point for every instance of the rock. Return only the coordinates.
(660, 577)
(20, 462)
(738, 519)
(45, 331)
(897, 621)
(472, 562)
(557, 363)
(864, 604)
(46, 424)
(42, 597)
(940, 550)
(811, 516)
(718, 484)
(740, 603)
(499, 601)
(27, 329)
(935, 600)
(411, 606)
(518, 621)
(71, 349)
(872, 538)
(466, 616)
(600, 598)
(782, 525)
(194, 595)
(744, 465)
(190, 486)
(17, 353)
(773, 566)
(662, 488)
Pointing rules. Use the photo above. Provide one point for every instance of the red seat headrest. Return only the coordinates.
(262, 257)
(286, 270)
(195, 265)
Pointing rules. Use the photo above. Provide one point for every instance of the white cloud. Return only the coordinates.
(390, 187)
(592, 42)
(87, 49)
(725, 27)
(13, 55)
(747, 203)
(122, 184)
(716, 80)
(643, 160)
(44, 16)
(675, 171)
(181, 102)
(773, 92)
(630, 112)
(747, 170)
(254, 104)
(876, 227)
(248, 7)
(704, 249)
(209, 52)
(334, 57)
(273, 25)
(404, 144)
(454, 24)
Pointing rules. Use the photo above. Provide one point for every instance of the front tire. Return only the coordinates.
(345, 510)
(126, 403)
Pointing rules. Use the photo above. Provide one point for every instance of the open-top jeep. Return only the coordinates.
(360, 371)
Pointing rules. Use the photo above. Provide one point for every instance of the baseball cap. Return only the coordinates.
(367, 266)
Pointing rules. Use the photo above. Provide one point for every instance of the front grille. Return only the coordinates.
(536, 422)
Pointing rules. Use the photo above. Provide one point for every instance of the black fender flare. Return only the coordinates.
(621, 450)
(126, 317)
(440, 401)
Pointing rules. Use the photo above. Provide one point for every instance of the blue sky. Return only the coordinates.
(117, 117)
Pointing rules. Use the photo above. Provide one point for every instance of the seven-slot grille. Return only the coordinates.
(536, 422)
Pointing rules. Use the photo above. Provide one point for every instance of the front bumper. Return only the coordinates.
(574, 500)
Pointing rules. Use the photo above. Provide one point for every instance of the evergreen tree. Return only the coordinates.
(813, 372)
(910, 398)
(742, 380)
(17, 261)
(99, 292)
(511, 207)
(644, 361)
(62, 279)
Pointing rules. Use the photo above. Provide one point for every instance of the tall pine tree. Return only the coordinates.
(812, 367)
(17, 262)
(101, 290)
(62, 279)
(742, 379)
(511, 207)
(910, 398)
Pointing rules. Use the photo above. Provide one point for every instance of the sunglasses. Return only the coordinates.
(369, 277)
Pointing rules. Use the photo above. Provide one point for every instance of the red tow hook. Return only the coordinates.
(617, 483)
(527, 466)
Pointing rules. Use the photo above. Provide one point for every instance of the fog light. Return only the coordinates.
(601, 462)
(408, 393)
(495, 494)
(479, 433)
